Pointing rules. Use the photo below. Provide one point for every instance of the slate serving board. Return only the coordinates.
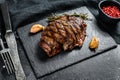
(43, 65)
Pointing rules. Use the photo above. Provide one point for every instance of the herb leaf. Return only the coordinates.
(82, 15)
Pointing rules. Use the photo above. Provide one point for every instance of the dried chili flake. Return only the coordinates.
(112, 11)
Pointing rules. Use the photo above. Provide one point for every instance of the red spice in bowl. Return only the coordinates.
(109, 11)
(112, 11)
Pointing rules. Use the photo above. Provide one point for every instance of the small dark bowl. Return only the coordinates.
(103, 16)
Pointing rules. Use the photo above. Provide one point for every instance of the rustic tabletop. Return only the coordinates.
(105, 66)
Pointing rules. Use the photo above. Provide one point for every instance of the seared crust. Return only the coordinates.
(65, 33)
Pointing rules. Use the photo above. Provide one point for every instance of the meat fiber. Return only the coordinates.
(64, 33)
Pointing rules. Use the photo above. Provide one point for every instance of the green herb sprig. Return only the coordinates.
(53, 18)
(82, 15)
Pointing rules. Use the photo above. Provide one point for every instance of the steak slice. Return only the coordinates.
(64, 33)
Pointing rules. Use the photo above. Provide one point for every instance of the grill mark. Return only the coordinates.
(52, 34)
(82, 36)
(82, 30)
(51, 42)
(62, 28)
(67, 25)
(69, 38)
(46, 47)
(55, 31)
(79, 21)
(46, 39)
(63, 35)
(74, 34)
(78, 35)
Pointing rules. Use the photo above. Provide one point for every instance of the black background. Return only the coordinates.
(103, 67)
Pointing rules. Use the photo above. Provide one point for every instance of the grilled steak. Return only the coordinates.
(64, 33)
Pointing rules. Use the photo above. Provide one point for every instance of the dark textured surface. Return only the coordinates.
(42, 66)
(64, 37)
(24, 12)
(25, 63)
(112, 29)
(103, 67)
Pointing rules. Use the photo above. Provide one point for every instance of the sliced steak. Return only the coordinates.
(64, 33)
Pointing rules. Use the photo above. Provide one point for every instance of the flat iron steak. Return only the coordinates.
(64, 33)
